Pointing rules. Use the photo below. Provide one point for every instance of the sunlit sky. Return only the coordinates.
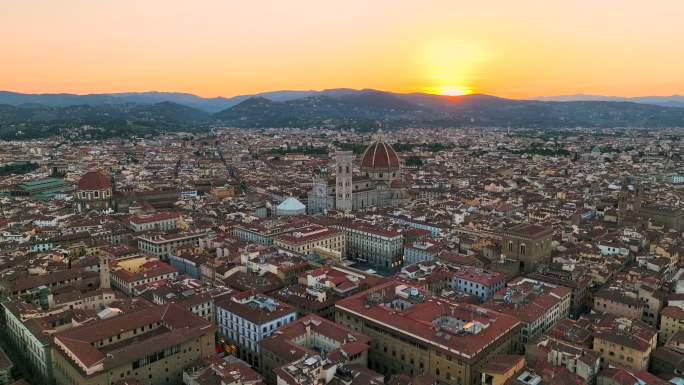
(510, 48)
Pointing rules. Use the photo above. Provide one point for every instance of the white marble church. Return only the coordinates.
(379, 183)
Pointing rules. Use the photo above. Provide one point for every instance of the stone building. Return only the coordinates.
(414, 332)
(152, 346)
(529, 244)
(379, 183)
(94, 192)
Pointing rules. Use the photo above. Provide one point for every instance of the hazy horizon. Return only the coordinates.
(521, 49)
(578, 94)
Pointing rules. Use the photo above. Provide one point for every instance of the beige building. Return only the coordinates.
(529, 244)
(152, 346)
(378, 185)
(618, 303)
(94, 192)
(309, 336)
(671, 321)
(628, 343)
(311, 238)
(502, 368)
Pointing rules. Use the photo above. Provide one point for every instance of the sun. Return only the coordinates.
(452, 90)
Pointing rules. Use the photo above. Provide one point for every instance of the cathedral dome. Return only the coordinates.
(94, 180)
(379, 156)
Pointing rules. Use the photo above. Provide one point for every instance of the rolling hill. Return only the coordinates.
(143, 113)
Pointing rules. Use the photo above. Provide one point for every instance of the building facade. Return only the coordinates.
(379, 184)
(311, 238)
(312, 335)
(415, 333)
(152, 346)
(94, 192)
(163, 245)
(379, 247)
(528, 244)
(246, 318)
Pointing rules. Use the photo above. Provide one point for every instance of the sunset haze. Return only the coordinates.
(516, 49)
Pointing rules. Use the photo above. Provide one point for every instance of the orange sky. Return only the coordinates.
(511, 48)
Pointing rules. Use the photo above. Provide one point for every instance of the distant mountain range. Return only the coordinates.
(667, 101)
(38, 115)
(210, 105)
(217, 104)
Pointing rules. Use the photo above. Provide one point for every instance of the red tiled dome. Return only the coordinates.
(379, 156)
(94, 180)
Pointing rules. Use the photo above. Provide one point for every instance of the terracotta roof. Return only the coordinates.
(379, 156)
(286, 343)
(178, 325)
(502, 363)
(150, 218)
(528, 230)
(420, 320)
(94, 180)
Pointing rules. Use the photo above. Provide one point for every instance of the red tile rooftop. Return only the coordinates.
(176, 325)
(527, 229)
(502, 363)
(148, 269)
(367, 228)
(307, 234)
(420, 320)
(94, 180)
(484, 277)
(150, 218)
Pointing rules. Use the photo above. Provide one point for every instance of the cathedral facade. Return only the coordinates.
(379, 183)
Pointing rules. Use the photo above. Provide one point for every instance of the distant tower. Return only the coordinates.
(104, 273)
(343, 189)
(318, 196)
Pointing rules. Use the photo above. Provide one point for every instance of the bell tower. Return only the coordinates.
(343, 180)
(105, 282)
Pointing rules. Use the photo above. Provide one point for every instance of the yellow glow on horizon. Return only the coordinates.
(451, 67)
(514, 49)
(449, 90)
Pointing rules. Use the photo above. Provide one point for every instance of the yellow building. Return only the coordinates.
(223, 192)
(628, 343)
(310, 238)
(671, 321)
(502, 368)
(152, 346)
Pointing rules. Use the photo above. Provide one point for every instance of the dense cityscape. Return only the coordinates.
(320, 256)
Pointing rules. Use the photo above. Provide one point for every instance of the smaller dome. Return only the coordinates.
(379, 156)
(290, 205)
(94, 180)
